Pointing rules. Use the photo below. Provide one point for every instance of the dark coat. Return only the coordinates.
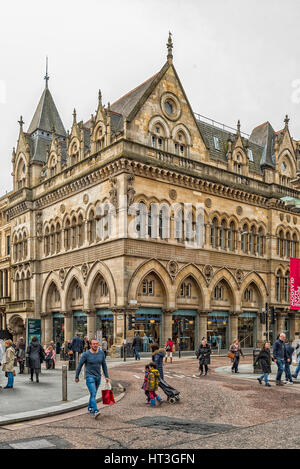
(289, 352)
(158, 358)
(279, 350)
(203, 354)
(264, 360)
(36, 355)
(20, 351)
(77, 345)
(137, 342)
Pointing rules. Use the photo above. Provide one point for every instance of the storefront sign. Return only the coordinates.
(295, 283)
(33, 329)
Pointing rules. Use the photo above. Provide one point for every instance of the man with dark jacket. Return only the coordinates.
(289, 358)
(77, 345)
(136, 345)
(279, 354)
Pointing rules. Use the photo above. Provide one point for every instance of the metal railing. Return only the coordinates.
(217, 124)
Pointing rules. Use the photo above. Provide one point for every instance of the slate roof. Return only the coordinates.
(264, 135)
(127, 103)
(209, 131)
(46, 116)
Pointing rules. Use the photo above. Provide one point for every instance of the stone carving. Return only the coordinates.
(172, 268)
(239, 275)
(130, 190)
(295, 220)
(62, 276)
(173, 194)
(113, 193)
(288, 218)
(39, 225)
(208, 203)
(208, 272)
(239, 210)
(85, 271)
(281, 216)
(62, 208)
(85, 199)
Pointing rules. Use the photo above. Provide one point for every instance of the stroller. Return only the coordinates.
(171, 393)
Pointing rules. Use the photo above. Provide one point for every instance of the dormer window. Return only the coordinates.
(250, 155)
(216, 143)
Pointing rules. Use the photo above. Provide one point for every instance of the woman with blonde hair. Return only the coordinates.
(8, 363)
(236, 351)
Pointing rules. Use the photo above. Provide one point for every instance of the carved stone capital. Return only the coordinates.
(45, 315)
(90, 312)
(67, 314)
(169, 311)
(202, 313)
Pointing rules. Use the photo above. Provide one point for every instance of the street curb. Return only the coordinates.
(54, 410)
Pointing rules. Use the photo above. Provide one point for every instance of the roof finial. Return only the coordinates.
(21, 122)
(239, 127)
(47, 78)
(74, 116)
(286, 121)
(170, 48)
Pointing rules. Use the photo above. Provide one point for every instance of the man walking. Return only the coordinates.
(289, 358)
(93, 359)
(279, 354)
(136, 345)
(77, 346)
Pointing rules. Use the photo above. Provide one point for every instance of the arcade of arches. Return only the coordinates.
(185, 308)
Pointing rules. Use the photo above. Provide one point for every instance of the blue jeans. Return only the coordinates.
(265, 377)
(297, 369)
(235, 364)
(93, 385)
(10, 381)
(280, 365)
(137, 352)
(288, 374)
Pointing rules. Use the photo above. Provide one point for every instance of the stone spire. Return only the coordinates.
(46, 78)
(170, 49)
(286, 122)
(238, 127)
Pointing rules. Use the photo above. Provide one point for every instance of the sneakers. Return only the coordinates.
(259, 380)
(159, 400)
(289, 382)
(294, 376)
(268, 385)
(97, 415)
(279, 383)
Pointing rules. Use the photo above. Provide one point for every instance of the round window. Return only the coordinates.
(169, 107)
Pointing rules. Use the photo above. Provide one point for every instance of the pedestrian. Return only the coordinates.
(86, 344)
(169, 350)
(2, 351)
(77, 346)
(136, 345)
(203, 355)
(94, 360)
(264, 360)
(158, 358)
(152, 384)
(68, 350)
(8, 363)
(289, 358)
(35, 356)
(237, 352)
(279, 355)
(20, 353)
(145, 340)
(144, 386)
(104, 346)
(50, 358)
(295, 375)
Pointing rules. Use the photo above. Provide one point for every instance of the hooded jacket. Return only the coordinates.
(158, 358)
(153, 380)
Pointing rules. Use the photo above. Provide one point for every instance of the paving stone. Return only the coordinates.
(47, 442)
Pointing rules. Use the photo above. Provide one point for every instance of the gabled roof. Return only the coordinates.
(46, 116)
(264, 135)
(127, 103)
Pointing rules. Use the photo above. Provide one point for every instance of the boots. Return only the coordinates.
(159, 400)
(37, 377)
(152, 402)
(171, 359)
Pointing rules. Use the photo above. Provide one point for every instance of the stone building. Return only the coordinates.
(99, 225)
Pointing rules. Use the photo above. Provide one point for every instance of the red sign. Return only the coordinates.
(295, 283)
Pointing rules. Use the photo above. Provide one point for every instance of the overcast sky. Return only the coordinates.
(236, 59)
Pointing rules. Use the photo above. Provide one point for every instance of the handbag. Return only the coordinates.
(231, 355)
(107, 395)
(14, 372)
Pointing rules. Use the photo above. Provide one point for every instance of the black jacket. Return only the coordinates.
(137, 341)
(35, 356)
(203, 354)
(279, 350)
(264, 359)
(289, 350)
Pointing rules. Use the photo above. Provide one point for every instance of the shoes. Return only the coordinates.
(289, 382)
(268, 385)
(259, 380)
(97, 415)
(279, 383)
(159, 400)
(294, 376)
(8, 387)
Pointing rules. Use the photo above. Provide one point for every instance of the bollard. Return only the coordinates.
(64, 383)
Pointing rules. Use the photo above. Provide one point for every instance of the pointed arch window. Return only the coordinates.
(91, 227)
(179, 225)
(141, 220)
(214, 233)
(231, 237)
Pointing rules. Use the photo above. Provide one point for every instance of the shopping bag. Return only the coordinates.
(107, 395)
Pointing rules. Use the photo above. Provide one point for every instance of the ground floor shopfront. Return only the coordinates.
(185, 326)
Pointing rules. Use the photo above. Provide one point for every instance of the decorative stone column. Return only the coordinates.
(68, 324)
(91, 323)
(234, 326)
(47, 330)
(202, 325)
(167, 330)
(280, 315)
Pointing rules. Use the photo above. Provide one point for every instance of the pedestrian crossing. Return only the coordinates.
(168, 375)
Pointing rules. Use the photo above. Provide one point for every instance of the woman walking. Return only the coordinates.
(20, 353)
(236, 350)
(264, 359)
(203, 355)
(8, 363)
(35, 355)
(158, 355)
(50, 358)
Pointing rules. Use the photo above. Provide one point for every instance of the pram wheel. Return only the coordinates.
(172, 400)
(177, 398)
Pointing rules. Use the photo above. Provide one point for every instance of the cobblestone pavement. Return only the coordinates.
(217, 411)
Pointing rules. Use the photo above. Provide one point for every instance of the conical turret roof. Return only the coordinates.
(46, 116)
